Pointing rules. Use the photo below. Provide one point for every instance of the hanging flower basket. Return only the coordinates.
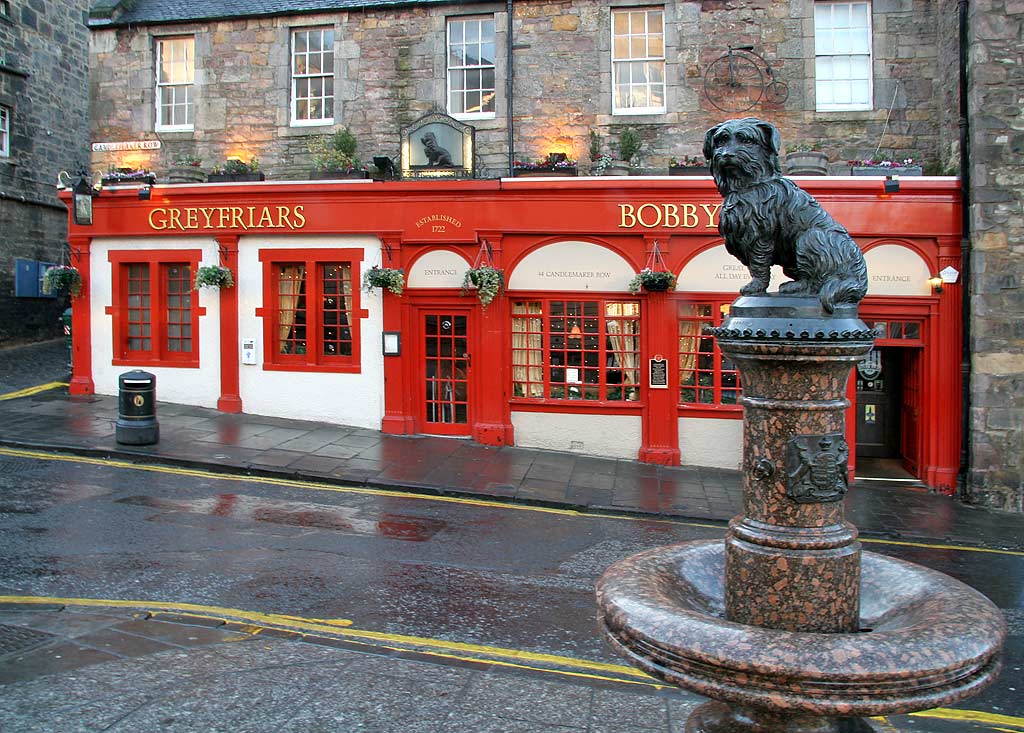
(487, 280)
(384, 277)
(652, 281)
(63, 278)
(213, 276)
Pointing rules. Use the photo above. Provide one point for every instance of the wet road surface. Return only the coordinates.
(448, 570)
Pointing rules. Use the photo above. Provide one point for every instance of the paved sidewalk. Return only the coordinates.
(104, 669)
(207, 438)
(108, 670)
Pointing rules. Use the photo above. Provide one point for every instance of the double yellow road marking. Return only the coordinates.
(311, 629)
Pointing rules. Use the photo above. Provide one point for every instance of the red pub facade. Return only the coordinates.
(565, 358)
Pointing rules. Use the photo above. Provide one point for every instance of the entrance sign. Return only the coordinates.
(441, 268)
(572, 266)
(896, 270)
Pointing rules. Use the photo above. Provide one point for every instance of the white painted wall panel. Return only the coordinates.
(345, 399)
(710, 442)
(200, 386)
(609, 436)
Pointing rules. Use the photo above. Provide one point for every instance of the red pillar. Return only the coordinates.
(81, 320)
(229, 400)
(398, 419)
(660, 340)
(941, 459)
(492, 420)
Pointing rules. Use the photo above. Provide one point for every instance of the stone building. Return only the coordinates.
(883, 80)
(43, 130)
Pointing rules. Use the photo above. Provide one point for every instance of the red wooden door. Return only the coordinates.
(444, 371)
(910, 410)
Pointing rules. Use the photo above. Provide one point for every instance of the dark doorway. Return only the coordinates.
(879, 391)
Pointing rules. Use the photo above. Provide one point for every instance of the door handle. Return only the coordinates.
(468, 358)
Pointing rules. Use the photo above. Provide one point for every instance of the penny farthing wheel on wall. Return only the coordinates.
(739, 79)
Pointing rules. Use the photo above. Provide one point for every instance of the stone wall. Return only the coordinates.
(996, 78)
(390, 69)
(43, 79)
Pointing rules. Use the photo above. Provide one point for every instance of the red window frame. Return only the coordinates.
(162, 326)
(566, 347)
(706, 380)
(312, 302)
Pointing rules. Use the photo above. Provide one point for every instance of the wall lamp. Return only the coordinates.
(81, 199)
(936, 281)
(892, 184)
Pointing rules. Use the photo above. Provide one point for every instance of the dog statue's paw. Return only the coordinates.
(754, 287)
(795, 287)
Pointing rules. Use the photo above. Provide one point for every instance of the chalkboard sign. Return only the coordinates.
(659, 374)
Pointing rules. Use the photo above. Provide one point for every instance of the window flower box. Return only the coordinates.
(555, 164)
(338, 175)
(518, 172)
(235, 170)
(236, 177)
(905, 167)
(689, 170)
(880, 170)
(128, 177)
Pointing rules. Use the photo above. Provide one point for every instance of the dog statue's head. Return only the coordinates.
(429, 141)
(742, 153)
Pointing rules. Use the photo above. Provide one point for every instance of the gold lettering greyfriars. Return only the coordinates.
(227, 217)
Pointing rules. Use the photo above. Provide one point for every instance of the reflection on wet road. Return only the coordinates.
(470, 572)
(364, 521)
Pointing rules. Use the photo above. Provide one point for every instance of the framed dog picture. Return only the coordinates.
(437, 146)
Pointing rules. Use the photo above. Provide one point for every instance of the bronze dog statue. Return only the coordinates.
(767, 219)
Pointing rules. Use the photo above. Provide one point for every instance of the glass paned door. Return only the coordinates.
(446, 361)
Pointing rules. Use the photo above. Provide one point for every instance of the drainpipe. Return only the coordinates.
(965, 256)
(509, 77)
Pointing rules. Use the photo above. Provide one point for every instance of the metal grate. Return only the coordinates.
(15, 639)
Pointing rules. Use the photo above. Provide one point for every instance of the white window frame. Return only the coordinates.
(839, 43)
(5, 131)
(461, 69)
(306, 78)
(182, 80)
(647, 58)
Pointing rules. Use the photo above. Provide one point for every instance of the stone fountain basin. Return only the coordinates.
(926, 639)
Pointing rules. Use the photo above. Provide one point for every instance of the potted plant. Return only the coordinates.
(688, 166)
(236, 169)
(185, 169)
(806, 159)
(126, 176)
(334, 156)
(556, 164)
(652, 281)
(384, 277)
(213, 276)
(487, 280)
(61, 279)
(885, 167)
(629, 146)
